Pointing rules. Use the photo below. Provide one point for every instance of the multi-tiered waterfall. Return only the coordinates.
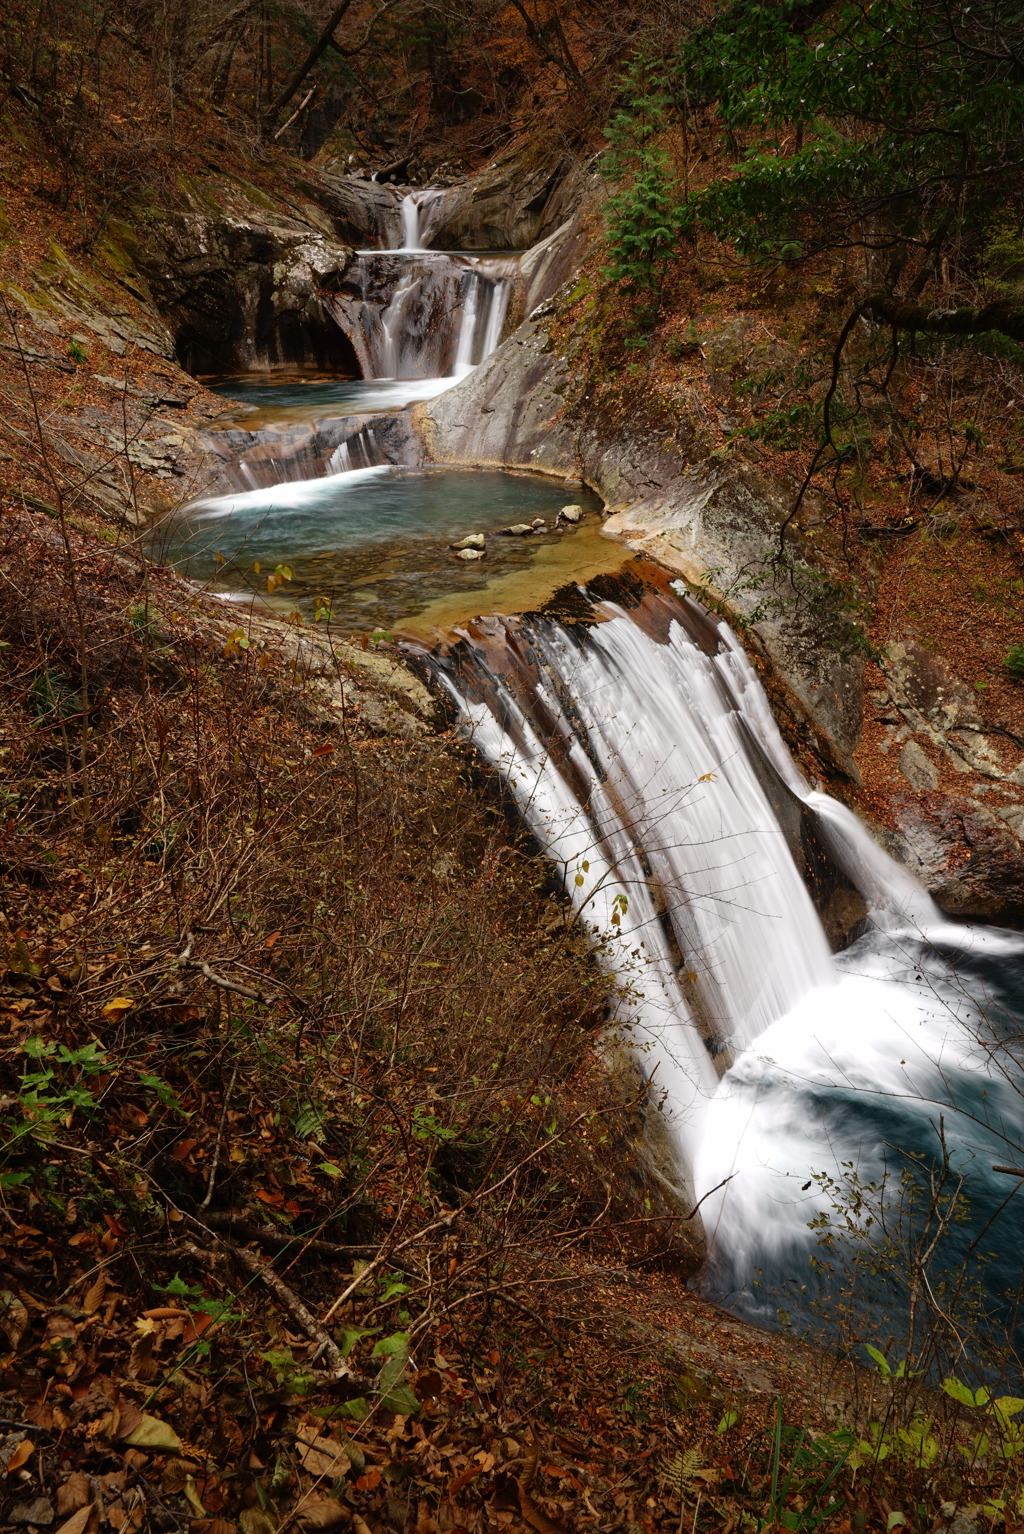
(415, 313)
(641, 749)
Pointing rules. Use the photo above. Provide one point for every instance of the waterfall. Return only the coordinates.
(424, 316)
(413, 207)
(642, 752)
(414, 313)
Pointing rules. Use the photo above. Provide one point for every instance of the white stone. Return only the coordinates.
(469, 554)
(571, 513)
(471, 541)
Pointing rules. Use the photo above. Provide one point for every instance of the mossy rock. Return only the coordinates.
(690, 1390)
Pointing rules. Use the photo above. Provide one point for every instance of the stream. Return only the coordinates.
(818, 1036)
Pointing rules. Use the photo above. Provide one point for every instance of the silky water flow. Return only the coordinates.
(413, 313)
(642, 753)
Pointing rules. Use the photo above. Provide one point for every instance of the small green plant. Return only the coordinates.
(51, 695)
(686, 345)
(287, 1374)
(391, 1385)
(901, 1371)
(1014, 662)
(53, 1091)
(78, 353)
(812, 1468)
(427, 1126)
(1004, 1437)
(143, 619)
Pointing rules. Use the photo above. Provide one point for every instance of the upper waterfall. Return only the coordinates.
(416, 220)
(415, 313)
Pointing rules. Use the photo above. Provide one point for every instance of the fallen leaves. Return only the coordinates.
(117, 1007)
(321, 1513)
(323, 1457)
(78, 1521)
(151, 1433)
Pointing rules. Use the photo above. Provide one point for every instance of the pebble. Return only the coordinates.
(571, 513)
(517, 530)
(468, 554)
(473, 541)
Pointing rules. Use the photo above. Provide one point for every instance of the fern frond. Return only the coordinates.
(677, 1471)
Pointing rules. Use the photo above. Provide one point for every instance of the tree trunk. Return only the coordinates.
(1005, 317)
(322, 43)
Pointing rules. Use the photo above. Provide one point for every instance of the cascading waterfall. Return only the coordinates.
(415, 212)
(416, 314)
(642, 752)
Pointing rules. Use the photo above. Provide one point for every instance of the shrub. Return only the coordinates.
(1014, 662)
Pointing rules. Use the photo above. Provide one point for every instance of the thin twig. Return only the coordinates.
(220, 1135)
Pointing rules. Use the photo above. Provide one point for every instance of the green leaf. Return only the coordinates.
(395, 1287)
(401, 1400)
(959, 1391)
(395, 1346)
(348, 1335)
(880, 1359)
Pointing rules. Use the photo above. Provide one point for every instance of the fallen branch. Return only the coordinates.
(289, 1302)
(186, 961)
(280, 1240)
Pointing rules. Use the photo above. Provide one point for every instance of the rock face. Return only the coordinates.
(364, 214)
(247, 296)
(516, 201)
(964, 843)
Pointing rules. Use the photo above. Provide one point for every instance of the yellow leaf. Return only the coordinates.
(151, 1433)
(77, 1522)
(192, 1497)
(145, 1325)
(119, 1005)
(21, 1455)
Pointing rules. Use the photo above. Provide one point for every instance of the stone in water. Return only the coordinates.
(517, 530)
(468, 554)
(571, 513)
(473, 541)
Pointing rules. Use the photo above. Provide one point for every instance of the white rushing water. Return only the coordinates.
(413, 313)
(415, 209)
(637, 754)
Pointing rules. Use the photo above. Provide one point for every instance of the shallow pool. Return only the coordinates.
(375, 543)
